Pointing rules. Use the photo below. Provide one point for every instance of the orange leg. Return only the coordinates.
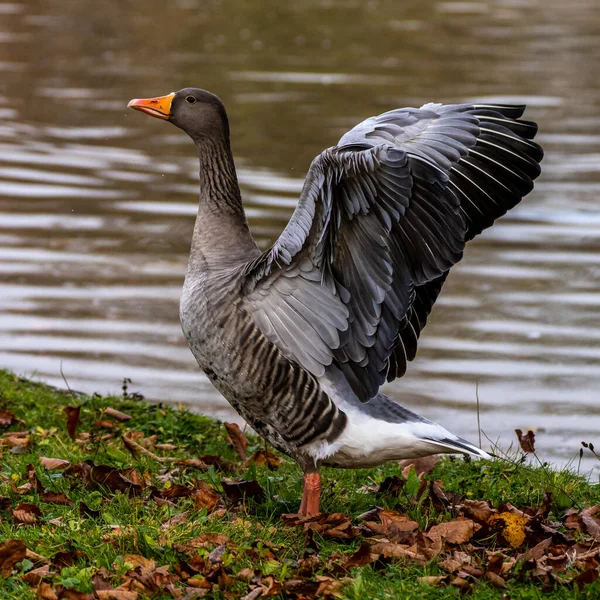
(311, 495)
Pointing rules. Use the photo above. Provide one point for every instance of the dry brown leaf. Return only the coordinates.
(46, 592)
(105, 424)
(113, 479)
(52, 464)
(69, 594)
(591, 522)
(27, 514)
(458, 531)
(36, 484)
(137, 449)
(174, 491)
(180, 518)
(478, 510)
(422, 466)
(433, 579)
(72, 413)
(7, 418)
(116, 594)
(585, 578)
(301, 587)
(389, 550)
(136, 560)
(205, 497)
(262, 458)
(36, 558)
(450, 565)
(56, 498)
(11, 552)
(241, 489)
(496, 580)
(166, 447)
(393, 521)
(116, 414)
(361, 557)
(36, 576)
(237, 439)
(526, 441)
(206, 540)
(537, 551)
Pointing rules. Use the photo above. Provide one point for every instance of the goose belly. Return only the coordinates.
(367, 441)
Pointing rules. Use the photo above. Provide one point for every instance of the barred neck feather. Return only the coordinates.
(221, 233)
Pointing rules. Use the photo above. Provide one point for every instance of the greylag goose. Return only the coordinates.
(300, 338)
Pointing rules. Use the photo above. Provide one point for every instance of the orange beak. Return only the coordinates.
(159, 107)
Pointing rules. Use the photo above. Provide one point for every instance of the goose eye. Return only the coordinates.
(191, 99)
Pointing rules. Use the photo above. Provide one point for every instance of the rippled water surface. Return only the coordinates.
(98, 203)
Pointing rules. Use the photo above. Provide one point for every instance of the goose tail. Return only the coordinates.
(452, 444)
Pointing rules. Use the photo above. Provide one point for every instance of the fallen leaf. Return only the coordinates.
(56, 498)
(7, 418)
(205, 497)
(210, 460)
(70, 594)
(237, 439)
(361, 557)
(36, 576)
(537, 551)
(301, 587)
(206, 540)
(511, 525)
(175, 520)
(72, 413)
(239, 490)
(174, 491)
(113, 480)
(398, 551)
(496, 580)
(458, 531)
(591, 522)
(262, 458)
(586, 578)
(36, 484)
(526, 441)
(46, 592)
(478, 510)
(11, 552)
(116, 414)
(433, 579)
(422, 465)
(391, 485)
(137, 449)
(52, 464)
(166, 447)
(27, 514)
(105, 424)
(86, 511)
(116, 594)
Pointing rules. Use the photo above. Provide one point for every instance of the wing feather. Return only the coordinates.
(382, 218)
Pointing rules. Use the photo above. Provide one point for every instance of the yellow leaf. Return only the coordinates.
(512, 527)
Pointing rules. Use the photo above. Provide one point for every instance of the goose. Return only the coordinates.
(300, 338)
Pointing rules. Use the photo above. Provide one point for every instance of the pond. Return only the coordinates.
(98, 202)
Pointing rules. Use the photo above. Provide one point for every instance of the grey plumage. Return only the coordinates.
(302, 336)
(390, 210)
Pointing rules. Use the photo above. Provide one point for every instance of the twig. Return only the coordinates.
(478, 415)
(66, 382)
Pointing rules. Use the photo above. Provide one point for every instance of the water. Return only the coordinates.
(98, 202)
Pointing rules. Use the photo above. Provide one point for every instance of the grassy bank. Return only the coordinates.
(117, 499)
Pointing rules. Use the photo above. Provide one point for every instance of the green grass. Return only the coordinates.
(124, 525)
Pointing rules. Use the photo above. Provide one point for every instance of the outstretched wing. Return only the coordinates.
(382, 218)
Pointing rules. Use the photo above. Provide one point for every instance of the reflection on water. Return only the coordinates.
(98, 203)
